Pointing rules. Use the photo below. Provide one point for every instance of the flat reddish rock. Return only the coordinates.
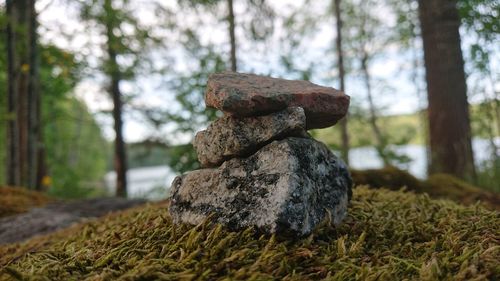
(245, 95)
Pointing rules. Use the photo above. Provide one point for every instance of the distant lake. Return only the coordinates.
(367, 157)
(153, 182)
(146, 182)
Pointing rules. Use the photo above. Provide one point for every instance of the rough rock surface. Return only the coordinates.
(287, 187)
(229, 137)
(241, 94)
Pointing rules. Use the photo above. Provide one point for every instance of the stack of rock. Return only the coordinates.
(260, 167)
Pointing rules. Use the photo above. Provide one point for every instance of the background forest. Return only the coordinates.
(94, 86)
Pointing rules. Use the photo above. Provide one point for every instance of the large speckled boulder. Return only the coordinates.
(229, 136)
(287, 187)
(241, 94)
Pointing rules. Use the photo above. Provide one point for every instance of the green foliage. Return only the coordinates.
(488, 173)
(403, 129)
(365, 30)
(75, 150)
(73, 144)
(483, 122)
(400, 129)
(481, 21)
(128, 37)
(203, 59)
(408, 25)
(182, 158)
(387, 235)
(480, 17)
(365, 38)
(146, 154)
(190, 87)
(406, 129)
(192, 115)
(257, 22)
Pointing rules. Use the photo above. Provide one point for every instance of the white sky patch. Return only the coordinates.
(92, 94)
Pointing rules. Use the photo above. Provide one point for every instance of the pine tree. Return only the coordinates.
(449, 122)
(23, 100)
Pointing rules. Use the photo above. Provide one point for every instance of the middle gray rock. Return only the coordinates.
(288, 186)
(230, 137)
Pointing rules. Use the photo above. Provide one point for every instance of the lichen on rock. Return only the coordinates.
(229, 137)
(287, 187)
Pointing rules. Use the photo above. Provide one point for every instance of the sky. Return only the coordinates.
(395, 92)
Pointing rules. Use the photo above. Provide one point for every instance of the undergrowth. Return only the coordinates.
(388, 235)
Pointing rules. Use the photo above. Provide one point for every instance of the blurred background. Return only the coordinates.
(103, 97)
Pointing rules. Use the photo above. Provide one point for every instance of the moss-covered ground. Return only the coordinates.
(440, 186)
(15, 200)
(388, 235)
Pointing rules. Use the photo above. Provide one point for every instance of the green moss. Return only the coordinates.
(387, 236)
(389, 177)
(15, 200)
(446, 186)
(437, 186)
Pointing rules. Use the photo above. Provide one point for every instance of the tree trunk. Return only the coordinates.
(12, 163)
(22, 44)
(449, 124)
(232, 36)
(34, 104)
(114, 73)
(340, 62)
(379, 139)
(120, 154)
(22, 133)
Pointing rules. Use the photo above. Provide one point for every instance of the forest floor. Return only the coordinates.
(26, 213)
(388, 235)
(408, 232)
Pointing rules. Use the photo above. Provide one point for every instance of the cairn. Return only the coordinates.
(260, 166)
